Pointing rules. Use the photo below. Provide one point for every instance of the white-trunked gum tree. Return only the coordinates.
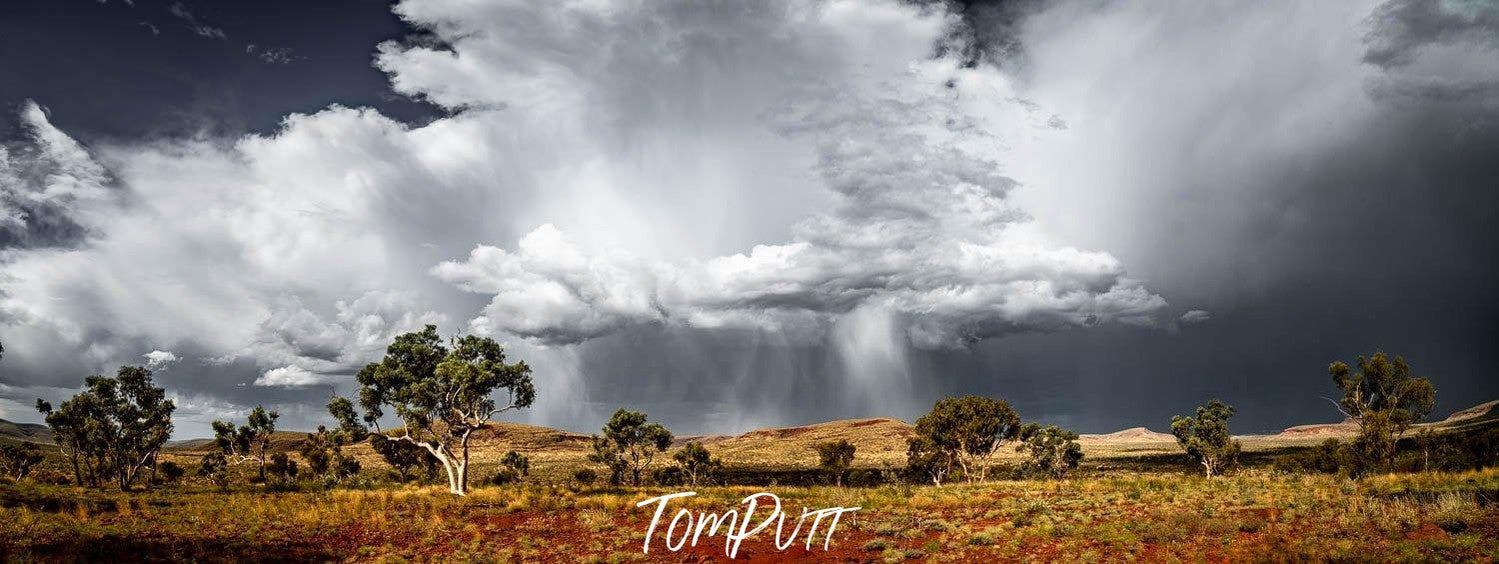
(442, 394)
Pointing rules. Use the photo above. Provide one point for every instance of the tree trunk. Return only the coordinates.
(462, 478)
(77, 474)
(463, 466)
(447, 466)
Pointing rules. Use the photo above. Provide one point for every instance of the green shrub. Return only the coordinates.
(585, 476)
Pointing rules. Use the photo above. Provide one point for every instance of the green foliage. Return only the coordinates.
(585, 476)
(170, 472)
(18, 459)
(504, 476)
(214, 468)
(629, 445)
(1385, 399)
(697, 464)
(442, 393)
(1329, 457)
(834, 458)
(282, 469)
(404, 457)
(966, 431)
(323, 453)
(1206, 438)
(926, 461)
(1051, 451)
(114, 428)
(249, 442)
(517, 462)
(668, 476)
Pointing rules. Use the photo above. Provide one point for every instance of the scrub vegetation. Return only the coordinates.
(969, 481)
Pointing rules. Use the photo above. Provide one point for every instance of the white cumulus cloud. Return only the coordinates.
(291, 377)
(158, 359)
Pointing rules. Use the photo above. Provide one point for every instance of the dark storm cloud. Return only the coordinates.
(1315, 215)
(1400, 29)
(774, 213)
(128, 71)
(42, 180)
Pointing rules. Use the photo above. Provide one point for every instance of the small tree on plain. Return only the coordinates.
(1050, 450)
(114, 428)
(518, 463)
(282, 468)
(834, 458)
(250, 442)
(1384, 398)
(323, 453)
(18, 459)
(443, 393)
(697, 464)
(1205, 437)
(629, 445)
(970, 429)
(214, 468)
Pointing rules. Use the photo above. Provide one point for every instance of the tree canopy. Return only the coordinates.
(629, 444)
(1205, 437)
(965, 430)
(697, 464)
(114, 428)
(442, 393)
(1384, 398)
(249, 442)
(834, 458)
(1050, 450)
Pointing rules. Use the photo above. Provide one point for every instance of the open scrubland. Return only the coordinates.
(1134, 497)
(1250, 515)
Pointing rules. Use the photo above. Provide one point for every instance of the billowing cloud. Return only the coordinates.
(920, 223)
(290, 377)
(158, 359)
(1442, 50)
(45, 182)
(731, 208)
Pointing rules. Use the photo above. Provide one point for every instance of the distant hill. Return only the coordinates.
(1131, 435)
(880, 441)
(1461, 418)
(877, 440)
(281, 441)
(1474, 412)
(33, 432)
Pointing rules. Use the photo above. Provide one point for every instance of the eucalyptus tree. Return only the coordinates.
(967, 430)
(1205, 437)
(114, 428)
(1384, 398)
(697, 464)
(834, 458)
(442, 393)
(1050, 450)
(629, 445)
(250, 442)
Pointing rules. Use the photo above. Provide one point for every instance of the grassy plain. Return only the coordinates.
(1110, 516)
(1135, 498)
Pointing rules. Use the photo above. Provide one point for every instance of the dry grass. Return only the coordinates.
(1251, 516)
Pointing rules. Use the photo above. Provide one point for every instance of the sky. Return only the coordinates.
(738, 215)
